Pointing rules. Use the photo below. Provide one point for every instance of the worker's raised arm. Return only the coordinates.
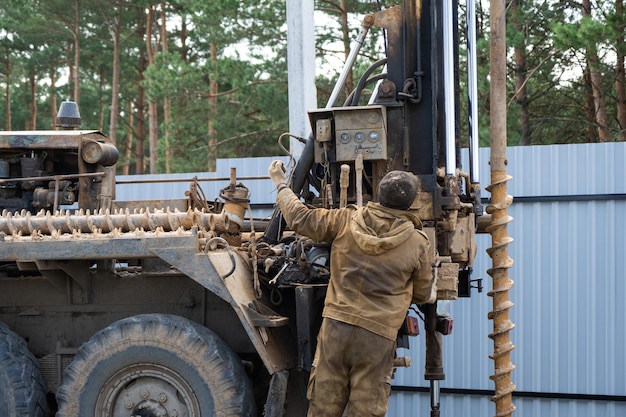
(318, 224)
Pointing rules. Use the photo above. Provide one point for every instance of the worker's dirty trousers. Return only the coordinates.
(351, 371)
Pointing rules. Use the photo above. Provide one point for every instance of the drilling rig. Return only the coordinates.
(188, 307)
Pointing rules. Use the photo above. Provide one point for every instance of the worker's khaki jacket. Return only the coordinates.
(380, 261)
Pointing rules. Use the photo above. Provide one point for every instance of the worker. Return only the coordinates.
(380, 263)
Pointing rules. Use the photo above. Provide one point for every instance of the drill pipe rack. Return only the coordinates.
(67, 222)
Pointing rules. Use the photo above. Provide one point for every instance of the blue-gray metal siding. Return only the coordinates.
(569, 229)
(569, 294)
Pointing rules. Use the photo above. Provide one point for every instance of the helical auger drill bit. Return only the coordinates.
(63, 222)
(502, 325)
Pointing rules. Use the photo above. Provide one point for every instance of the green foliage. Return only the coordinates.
(170, 76)
(250, 69)
(579, 35)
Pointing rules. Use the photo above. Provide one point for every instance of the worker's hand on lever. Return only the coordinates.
(277, 173)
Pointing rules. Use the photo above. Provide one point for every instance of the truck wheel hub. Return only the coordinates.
(147, 390)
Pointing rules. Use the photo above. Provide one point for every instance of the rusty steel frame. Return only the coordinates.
(182, 250)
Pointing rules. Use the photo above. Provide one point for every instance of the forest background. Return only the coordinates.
(179, 83)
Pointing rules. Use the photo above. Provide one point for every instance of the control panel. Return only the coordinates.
(342, 133)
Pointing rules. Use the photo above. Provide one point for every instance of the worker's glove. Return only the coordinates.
(277, 172)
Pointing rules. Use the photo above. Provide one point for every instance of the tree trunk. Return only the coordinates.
(140, 127)
(53, 97)
(213, 90)
(33, 101)
(521, 91)
(183, 38)
(343, 10)
(128, 148)
(593, 63)
(101, 101)
(115, 88)
(7, 91)
(140, 108)
(152, 106)
(620, 76)
(70, 65)
(590, 112)
(598, 95)
(167, 119)
(76, 32)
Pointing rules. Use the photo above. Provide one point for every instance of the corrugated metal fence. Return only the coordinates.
(569, 229)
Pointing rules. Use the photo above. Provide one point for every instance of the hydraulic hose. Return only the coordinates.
(364, 80)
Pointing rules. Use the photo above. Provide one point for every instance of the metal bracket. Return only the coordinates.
(57, 272)
(262, 316)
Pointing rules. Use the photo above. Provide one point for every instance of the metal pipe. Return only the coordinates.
(433, 361)
(419, 70)
(448, 86)
(472, 87)
(167, 180)
(54, 177)
(354, 52)
(434, 399)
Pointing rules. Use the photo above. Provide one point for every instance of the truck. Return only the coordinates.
(190, 307)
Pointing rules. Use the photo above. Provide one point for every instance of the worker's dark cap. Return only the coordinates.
(397, 190)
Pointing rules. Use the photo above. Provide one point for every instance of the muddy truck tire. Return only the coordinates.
(156, 365)
(22, 388)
